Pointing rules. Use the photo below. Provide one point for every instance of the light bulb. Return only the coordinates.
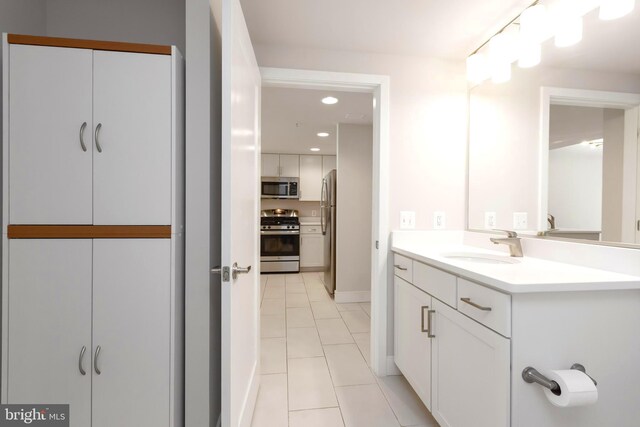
(500, 53)
(477, 68)
(614, 9)
(534, 24)
(530, 54)
(568, 30)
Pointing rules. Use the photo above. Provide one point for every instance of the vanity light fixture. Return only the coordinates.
(568, 28)
(614, 9)
(314, 149)
(499, 63)
(329, 100)
(323, 134)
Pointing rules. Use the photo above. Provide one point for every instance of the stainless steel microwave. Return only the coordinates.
(279, 188)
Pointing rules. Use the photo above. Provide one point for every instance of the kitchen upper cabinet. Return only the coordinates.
(132, 155)
(270, 165)
(290, 165)
(48, 343)
(50, 135)
(310, 178)
(311, 246)
(328, 164)
(471, 372)
(412, 342)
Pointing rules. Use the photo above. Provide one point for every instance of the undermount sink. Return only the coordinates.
(481, 258)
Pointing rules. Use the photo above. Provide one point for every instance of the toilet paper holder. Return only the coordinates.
(531, 375)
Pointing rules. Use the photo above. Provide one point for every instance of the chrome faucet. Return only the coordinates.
(512, 240)
(552, 221)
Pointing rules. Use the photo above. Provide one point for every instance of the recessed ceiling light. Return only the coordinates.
(323, 134)
(315, 149)
(330, 100)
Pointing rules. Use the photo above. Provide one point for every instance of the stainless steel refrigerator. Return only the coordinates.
(328, 209)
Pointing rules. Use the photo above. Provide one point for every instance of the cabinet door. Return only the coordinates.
(310, 178)
(132, 106)
(311, 250)
(131, 324)
(412, 344)
(329, 163)
(290, 165)
(471, 372)
(49, 324)
(49, 101)
(270, 165)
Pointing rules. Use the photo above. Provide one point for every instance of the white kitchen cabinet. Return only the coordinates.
(49, 324)
(311, 247)
(328, 164)
(290, 165)
(412, 342)
(132, 106)
(310, 178)
(131, 325)
(471, 372)
(270, 164)
(50, 106)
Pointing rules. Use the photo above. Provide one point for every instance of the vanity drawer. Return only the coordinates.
(489, 307)
(435, 282)
(310, 229)
(403, 267)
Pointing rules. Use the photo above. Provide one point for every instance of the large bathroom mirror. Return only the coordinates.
(554, 151)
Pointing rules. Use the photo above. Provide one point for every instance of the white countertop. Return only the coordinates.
(527, 276)
(310, 220)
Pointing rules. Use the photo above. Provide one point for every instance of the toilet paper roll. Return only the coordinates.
(576, 389)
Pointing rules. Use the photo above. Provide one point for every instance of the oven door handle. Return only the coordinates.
(280, 232)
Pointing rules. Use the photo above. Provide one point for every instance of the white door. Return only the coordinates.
(241, 87)
(131, 332)
(270, 165)
(50, 325)
(290, 165)
(471, 372)
(329, 163)
(132, 123)
(310, 178)
(412, 342)
(50, 142)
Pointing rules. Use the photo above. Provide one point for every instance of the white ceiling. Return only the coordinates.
(449, 29)
(291, 118)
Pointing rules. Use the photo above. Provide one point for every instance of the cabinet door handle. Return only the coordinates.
(473, 304)
(82, 145)
(80, 359)
(422, 328)
(95, 360)
(430, 333)
(97, 135)
(399, 267)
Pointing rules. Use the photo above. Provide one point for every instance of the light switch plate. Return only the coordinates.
(520, 221)
(407, 220)
(490, 220)
(439, 221)
(313, 213)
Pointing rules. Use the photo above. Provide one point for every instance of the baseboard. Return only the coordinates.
(352, 296)
(246, 415)
(392, 369)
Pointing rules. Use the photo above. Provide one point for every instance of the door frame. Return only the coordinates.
(378, 86)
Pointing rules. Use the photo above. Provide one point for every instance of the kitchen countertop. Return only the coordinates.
(310, 220)
(529, 275)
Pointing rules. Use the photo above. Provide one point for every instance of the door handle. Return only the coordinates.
(235, 270)
(422, 328)
(80, 368)
(97, 134)
(95, 360)
(82, 145)
(430, 324)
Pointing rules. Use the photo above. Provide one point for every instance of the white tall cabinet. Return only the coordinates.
(93, 223)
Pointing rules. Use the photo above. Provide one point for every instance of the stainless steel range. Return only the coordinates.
(279, 241)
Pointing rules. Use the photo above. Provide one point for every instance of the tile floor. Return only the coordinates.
(315, 363)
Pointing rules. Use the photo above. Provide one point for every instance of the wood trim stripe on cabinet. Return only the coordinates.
(89, 231)
(89, 44)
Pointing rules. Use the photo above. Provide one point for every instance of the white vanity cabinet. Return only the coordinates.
(311, 246)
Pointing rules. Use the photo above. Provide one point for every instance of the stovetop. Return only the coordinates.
(279, 217)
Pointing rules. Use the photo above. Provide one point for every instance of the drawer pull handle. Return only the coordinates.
(473, 304)
(422, 328)
(95, 361)
(430, 333)
(80, 367)
(399, 267)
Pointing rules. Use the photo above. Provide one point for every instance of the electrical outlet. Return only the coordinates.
(314, 213)
(520, 221)
(490, 220)
(439, 221)
(407, 220)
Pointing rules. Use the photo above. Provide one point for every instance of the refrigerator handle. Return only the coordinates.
(323, 200)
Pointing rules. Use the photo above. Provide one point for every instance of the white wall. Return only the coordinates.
(353, 232)
(23, 17)
(575, 187)
(613, 175)
(504, 132)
